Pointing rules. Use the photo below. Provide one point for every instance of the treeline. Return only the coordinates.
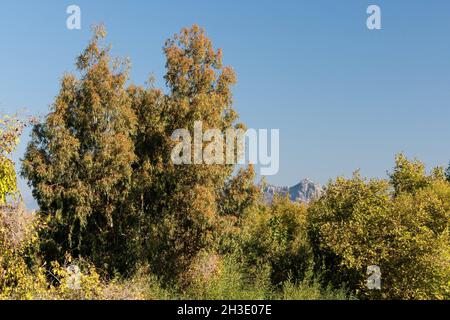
(112, 202)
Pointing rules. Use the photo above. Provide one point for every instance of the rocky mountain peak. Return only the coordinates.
(303, 192)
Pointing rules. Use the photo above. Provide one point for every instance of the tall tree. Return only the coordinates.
(79, 163)
(182, 201)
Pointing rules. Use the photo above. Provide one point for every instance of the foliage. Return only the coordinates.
(421, 266)
(239, 193)
(310, 288)
(18, 238)
(79, 164)
(100, 164)
(408, 176)
(140, 227)
(183, 207)
(359, 223)
(20, 277)
(10, 131)
(276, 235)
(7, 179)
(236, 283)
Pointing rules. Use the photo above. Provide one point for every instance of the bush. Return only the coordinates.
(276, 235)
(20, 278)
(310, 289)
(358, 223)
(232, 283)
(419, 266)
(10, 130)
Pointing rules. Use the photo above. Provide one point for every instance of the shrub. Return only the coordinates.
(232, 283)
(358, 223)
(310, 289)
(419, 264)
(20, 277)
(10, 130)
(236, 283)
(276, 235)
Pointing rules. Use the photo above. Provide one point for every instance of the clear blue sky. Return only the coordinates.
(342, 96)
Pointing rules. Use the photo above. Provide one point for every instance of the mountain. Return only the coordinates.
(303, 192)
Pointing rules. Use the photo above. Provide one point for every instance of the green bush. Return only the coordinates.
(276, 235)
(358, 223)
(230, 282)
(234, 282)
(310, 289)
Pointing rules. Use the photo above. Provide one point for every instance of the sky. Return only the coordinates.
(343, 97)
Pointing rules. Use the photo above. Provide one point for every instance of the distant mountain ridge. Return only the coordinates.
(303, 192)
